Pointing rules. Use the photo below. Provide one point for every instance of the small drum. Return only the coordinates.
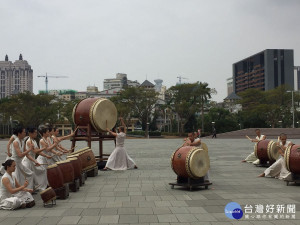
(76, 163)
(101, 113)
(67, 170)
(292, 158)
(266, 150)
(190, 161)
(55, 177)
(48, 195)
(87, 158)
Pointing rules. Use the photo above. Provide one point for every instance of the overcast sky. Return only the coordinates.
(90, 40)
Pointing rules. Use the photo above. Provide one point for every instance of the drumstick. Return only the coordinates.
(248, 137)
(35, 188)
(278, 139)
(23, 174)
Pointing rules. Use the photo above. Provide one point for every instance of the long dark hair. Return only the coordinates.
(7, 163)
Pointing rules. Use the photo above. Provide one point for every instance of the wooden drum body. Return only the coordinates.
(190, 161)
(55, 177)
(48, 195)
(292, 159)
(100, 113)
(266, 150)
(76, 163)
(67, 170)
(87, 158)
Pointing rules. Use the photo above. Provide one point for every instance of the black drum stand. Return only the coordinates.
(190, 182)
(50, 204)
(295, 179)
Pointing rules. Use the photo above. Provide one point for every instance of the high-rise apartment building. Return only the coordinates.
(15, 77)
(297, 78)
(265, 70)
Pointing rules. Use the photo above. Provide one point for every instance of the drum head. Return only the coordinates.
(103, 111)
(204, 146)
(199, 162)
(274, 152)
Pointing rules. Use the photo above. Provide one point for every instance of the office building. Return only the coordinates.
(296, 78)
(265, 70)
(15, 77)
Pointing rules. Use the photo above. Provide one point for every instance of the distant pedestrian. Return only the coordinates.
(214, 133)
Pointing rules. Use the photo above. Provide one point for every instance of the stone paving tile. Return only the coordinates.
(109, 219)
(54, 213)
(109, 211)
(131, 219)
(148, 219)
(69, 220)
(11, 221)
(30, 221)
(167, 218)
(89, 220)
(73, 212)
(161, 211)
(50, 220)
(90, 212)
(144, 211)
(182, 218)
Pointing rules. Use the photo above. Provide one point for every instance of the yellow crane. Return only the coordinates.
(46, 79)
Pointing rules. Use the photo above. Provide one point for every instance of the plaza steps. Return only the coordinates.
(271, 133)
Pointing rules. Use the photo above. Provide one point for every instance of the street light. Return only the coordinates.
(293, 126)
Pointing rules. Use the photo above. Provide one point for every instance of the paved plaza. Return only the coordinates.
(143, 196)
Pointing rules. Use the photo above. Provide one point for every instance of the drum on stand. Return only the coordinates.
(190, 161)
(292, 159)
(101, 113)
(56, 181)
(266, 150)
(48, 195)
(88, 161)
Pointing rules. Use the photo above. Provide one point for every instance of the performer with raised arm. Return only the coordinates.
(21, 173)
(49, 148)
(119, 159)
(57, 139)
(39, 171)
(12, 194)
(56, 153)
(278, 169)
(252, 158)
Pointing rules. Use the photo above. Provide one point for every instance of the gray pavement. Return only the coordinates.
(143, 196)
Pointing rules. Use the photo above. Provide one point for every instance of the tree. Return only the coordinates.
(136, 102)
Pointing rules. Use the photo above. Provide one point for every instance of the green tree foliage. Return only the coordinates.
(136, 102)
(30, 109)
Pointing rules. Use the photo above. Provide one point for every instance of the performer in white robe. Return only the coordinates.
(12, 194)
(8, 148)
(56, 153)
(21, 173)
(119, 159)
(278, 168)
(40, 180)
(252, 158)
(59, 147)
(46, 158)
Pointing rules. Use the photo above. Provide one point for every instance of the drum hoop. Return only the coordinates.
(64, 161)
(287, 157)
(255, 149)
(74, 110)
(79, 151)
(42, 192)
(72, 158)
(52, 166)
(269, 149)
(89, 167)
(91, 115)
(187, 163)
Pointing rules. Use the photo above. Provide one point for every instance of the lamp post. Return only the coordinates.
(293, 125)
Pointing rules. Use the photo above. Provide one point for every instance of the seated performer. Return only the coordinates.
(278, 168)
(119, 159)
(49, 148)
(8, 148)
(252, 158)
(40, 180)
(21, 173)
(12, 194)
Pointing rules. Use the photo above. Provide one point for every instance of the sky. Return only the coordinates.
(92, 40)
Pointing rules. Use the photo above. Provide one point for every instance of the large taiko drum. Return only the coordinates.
(292, 158)
(101, 113)
(87, 158)
(48, 195)
(190, 161)
(266, 150)
(76, 163)
(55, 177)
(67, 170)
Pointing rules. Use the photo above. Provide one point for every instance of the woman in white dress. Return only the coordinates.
(21, 173)
(39, 172)
(49, 151)
(119, 159)
(8, 148)
(12, 194)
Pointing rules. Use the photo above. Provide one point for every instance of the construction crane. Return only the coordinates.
(180, 77)
(46, 79)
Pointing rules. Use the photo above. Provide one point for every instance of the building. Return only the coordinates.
(265, 70)
(119, 82)
(297, 78)
(15, 77)
(147, 84)
(229, 85)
